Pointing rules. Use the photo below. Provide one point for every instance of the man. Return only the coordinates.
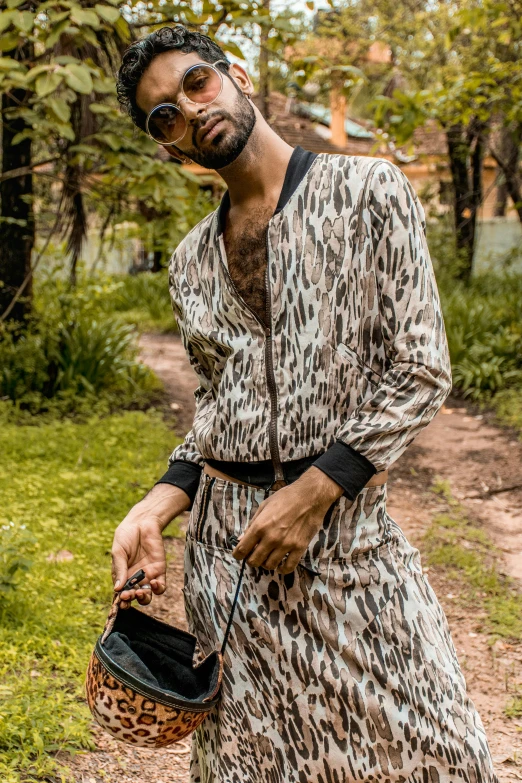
(309, 310)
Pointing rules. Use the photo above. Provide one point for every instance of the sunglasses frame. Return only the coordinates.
(184, 98)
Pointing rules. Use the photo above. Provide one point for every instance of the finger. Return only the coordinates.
(127, 596)
(291, 561)
(120, 571)
(249, 540)
(158, 585)
(275, 558)
(260, 554)
(144, 597)
(137, 592)
(159, 582)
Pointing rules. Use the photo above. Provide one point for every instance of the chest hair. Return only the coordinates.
(245, 244)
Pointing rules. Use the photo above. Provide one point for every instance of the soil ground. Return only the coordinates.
(483, 463)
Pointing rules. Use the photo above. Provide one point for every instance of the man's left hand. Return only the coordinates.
(286, 522)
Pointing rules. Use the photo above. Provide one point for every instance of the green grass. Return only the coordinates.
(514, 707)
(63, 485)
(468, 556)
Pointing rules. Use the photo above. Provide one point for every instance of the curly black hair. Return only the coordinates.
(140, 54)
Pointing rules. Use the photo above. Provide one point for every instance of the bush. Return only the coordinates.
(144, 300)
(484, 327)
(483, 318)
(72, 354)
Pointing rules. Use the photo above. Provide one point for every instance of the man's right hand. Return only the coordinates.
(138, 542)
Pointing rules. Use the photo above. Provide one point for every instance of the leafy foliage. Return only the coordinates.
(460, 64)
(484, 328)
(70, 113)
(73, 354)
(507, 405)
(143, 300)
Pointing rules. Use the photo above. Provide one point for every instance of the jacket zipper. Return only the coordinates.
(204, 506)
(270, 376)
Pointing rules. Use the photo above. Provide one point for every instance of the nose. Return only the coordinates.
(192, 111)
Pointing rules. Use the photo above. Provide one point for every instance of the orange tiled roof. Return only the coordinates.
(293, 129)
(428, 140)
(297, 130)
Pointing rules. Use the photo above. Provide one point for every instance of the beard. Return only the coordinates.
(224, 148)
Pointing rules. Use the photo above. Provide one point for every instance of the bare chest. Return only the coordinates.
(245, 244)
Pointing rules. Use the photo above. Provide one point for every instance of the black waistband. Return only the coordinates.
(262, 474)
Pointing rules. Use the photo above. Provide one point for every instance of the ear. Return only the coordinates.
(241, 77)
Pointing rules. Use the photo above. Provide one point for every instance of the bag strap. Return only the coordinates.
(131, 582)
(233, 609)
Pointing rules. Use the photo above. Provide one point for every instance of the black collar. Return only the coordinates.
(299, 163)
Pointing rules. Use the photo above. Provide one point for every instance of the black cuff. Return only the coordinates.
(185, 475)
(346, 467)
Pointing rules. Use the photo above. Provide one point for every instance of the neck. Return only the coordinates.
(257, 174)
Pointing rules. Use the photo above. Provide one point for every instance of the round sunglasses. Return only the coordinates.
(201, 83)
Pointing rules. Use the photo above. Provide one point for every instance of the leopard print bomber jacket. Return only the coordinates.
(355, 360)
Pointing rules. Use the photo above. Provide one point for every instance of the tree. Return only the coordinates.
(332, 63)
(58, 104)
(16, 195)
(462, 68)
(455, 62)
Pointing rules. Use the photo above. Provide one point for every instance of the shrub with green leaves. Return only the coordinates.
(73, 355)
(484, 327)
(143, 300)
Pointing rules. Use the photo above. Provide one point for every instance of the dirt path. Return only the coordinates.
(481, 461)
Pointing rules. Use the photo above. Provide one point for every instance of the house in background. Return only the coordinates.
(425, 162)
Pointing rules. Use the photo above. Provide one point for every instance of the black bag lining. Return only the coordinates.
(160, 656)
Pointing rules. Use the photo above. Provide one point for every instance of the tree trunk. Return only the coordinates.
(264, 77)
(16, 194)
(506, 155)
(72, 206)
(157, 266)
(466, 154)
(501, 197)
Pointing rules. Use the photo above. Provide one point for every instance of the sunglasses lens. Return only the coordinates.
(167, 124)
(202, 84)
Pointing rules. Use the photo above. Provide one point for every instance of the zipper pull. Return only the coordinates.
(133, 580)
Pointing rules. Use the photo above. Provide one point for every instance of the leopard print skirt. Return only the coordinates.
(343, 670)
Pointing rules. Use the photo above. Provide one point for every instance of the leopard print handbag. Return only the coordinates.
(142, 685)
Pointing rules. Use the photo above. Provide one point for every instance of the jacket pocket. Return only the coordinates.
(355, 360)
(203, 508)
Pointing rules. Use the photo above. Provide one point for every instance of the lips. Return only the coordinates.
(207, 127)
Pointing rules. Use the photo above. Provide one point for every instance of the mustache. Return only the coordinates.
(223, 115)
